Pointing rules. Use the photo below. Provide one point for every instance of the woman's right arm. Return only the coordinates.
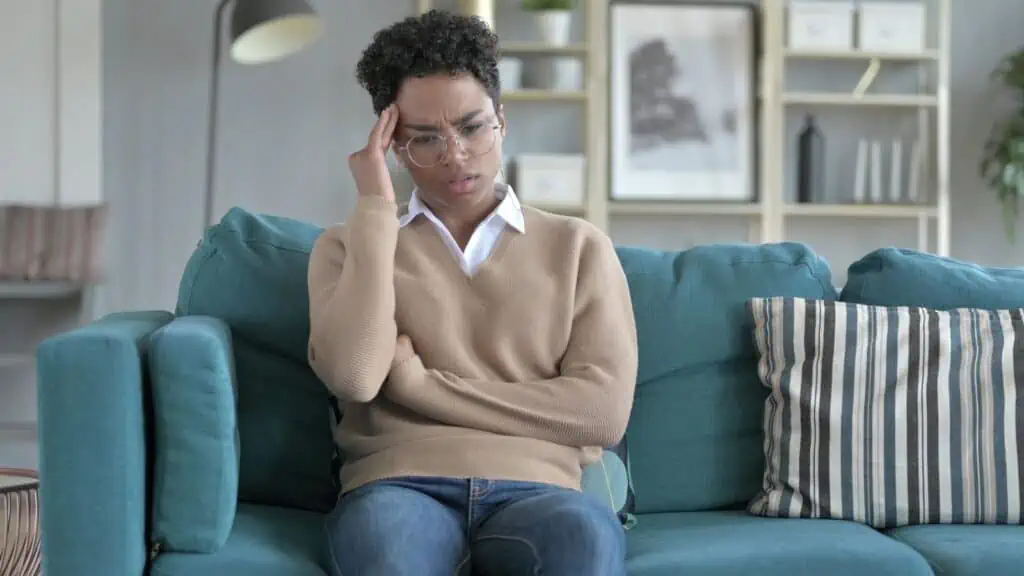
(352, 280)
(352, 301)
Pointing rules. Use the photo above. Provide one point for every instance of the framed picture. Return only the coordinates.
(683, 101)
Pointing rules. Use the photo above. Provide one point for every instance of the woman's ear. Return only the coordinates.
(398, 155)
(502, 121)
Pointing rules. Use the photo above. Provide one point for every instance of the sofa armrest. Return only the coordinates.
(93, 437)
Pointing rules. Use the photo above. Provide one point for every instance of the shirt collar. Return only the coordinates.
(509, 210)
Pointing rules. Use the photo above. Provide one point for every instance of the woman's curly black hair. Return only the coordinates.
(436, 42)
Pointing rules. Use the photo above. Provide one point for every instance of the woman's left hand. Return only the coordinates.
(403, 350)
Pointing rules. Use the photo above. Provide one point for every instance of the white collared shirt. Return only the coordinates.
(508, 213)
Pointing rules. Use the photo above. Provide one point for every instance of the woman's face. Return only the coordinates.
(433, 113)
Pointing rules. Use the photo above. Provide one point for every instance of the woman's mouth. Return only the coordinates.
(462, 184)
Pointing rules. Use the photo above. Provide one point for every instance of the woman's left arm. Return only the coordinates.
(588, 405)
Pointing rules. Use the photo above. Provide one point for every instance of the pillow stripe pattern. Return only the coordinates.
(891, 416)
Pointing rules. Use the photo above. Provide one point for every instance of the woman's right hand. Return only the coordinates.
(369, 166)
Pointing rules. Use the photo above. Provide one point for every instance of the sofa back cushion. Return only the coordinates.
(250, 272)
(903, 277)
(695, 436)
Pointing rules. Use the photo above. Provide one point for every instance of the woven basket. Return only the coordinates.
(20, 550)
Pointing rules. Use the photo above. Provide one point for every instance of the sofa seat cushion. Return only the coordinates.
(265, 541)
(967, 550)
(735, 543)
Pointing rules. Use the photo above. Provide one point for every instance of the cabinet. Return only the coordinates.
(51, 193)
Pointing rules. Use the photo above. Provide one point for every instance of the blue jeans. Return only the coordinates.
(448, 526)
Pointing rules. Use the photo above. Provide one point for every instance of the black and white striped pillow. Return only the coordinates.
(891, 416)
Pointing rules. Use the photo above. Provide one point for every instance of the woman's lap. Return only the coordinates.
(428, 526)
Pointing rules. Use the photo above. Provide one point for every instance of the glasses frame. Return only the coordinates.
(444, 152)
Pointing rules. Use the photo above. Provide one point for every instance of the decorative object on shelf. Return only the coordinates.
(484, 9)
(262, 31)
(824, 26)
(553, 22)
(683, 113)
(552, 19)
(896, 172)
(876, 172)
(894, 27)
(52, 243)
(915, 169)
(20, 546)
(510, 72)
(550, 179)
(1002, 162)
(860, 175)
(810, 174)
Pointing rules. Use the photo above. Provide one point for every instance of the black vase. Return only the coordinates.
(810, 183)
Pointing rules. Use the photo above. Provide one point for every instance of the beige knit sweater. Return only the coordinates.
(519, 372)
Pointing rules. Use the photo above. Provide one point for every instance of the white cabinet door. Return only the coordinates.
(80, 112)
(51, 93)
(28, 101)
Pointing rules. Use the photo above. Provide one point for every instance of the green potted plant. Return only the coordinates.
(553, 19)
(1002, 165)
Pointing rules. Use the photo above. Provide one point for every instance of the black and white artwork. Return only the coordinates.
(683, 101)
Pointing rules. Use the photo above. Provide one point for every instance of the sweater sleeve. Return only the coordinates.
(352, 301)
(587, 405)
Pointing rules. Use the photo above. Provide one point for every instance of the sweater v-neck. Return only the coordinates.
(440, 250)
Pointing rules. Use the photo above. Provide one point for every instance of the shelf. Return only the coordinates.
(13, 360)
(803, 54)
(636, 208)
(555, 208)
(44, 290)
(543, 96)
(860, 210)
(840, 99)
(542, 49)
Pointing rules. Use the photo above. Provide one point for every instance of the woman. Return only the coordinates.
(482, 352)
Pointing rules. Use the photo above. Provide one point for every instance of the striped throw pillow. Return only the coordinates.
(891, 416)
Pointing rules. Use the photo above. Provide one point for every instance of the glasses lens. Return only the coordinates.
(478, 139)
(425, 150)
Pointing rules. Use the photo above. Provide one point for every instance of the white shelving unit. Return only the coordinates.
(770, 217)
(931, 107)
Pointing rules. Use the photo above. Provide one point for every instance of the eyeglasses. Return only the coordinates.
(474, 139)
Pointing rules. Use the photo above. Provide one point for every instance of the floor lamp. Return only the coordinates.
(262, 31)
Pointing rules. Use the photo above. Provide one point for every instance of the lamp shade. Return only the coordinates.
(267, 30)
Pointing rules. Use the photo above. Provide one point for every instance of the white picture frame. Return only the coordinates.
(678, 137)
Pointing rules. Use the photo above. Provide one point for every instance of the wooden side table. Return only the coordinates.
(20, 550)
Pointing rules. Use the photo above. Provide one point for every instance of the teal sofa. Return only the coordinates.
(197, 441)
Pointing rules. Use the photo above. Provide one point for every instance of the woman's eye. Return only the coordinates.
(471, 128)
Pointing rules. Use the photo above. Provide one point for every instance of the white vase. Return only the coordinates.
(510, 71)
(554, 26)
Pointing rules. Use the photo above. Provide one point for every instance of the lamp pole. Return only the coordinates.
(211, 122)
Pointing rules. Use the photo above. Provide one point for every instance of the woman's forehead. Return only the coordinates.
(441, 99)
